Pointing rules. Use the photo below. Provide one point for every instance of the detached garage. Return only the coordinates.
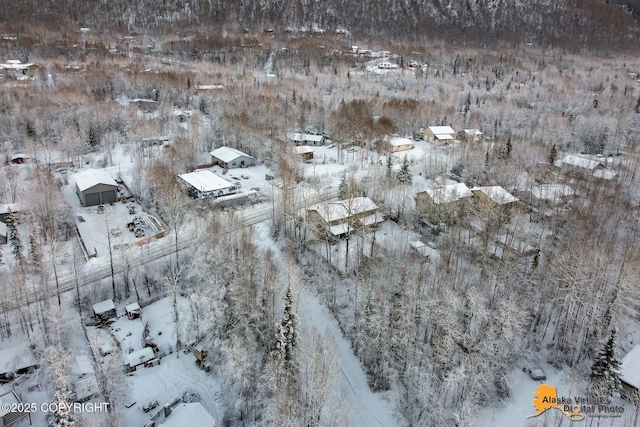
(95, 187)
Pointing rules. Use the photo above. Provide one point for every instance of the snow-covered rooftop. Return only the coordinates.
(300, 137)
(103, 307)
(442, 130)
(399, 141)
(581, 162)
(496, 193)
(630, 367)
(205, 181)
(228, 154)
(14, 64)
(449, 193)
(138, 357)
(303, 149)
(82, 366)
(92, 177)
(551, 191)
(344, 209)
(132, 307)
(14, 207)
(607, 174)
(189, 414)
(472, 132)
(443, 137)
(14, 358)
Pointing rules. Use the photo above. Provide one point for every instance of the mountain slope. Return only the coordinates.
(578, 23)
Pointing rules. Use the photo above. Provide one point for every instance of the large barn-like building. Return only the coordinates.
(95, 187)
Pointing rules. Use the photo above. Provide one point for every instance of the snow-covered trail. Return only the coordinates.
(367, 408)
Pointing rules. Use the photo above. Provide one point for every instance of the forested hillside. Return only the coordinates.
(578, 24)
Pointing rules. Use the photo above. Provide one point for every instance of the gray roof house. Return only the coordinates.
(230, 158)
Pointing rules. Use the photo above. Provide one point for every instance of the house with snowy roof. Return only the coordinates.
(441, 204)
(581, 164)
(95, 187)
(335, 219)
(306, 138)
(471, 135)
(393, 144)
(204, 183)
(494, 196)
(444, 134)
(230, 158)
(629, 373)
(105, 310)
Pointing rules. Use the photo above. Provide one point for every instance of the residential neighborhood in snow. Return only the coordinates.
(274, 215)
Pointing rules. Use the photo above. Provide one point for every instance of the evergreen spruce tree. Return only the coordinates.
(287, 333)
(15, 240)
(553, 154)
(35, 248)
(605, 365)
(404, 175)
(509, 147)
(342, 189)
(389, 167)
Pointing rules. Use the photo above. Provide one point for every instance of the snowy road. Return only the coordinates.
(367, 408)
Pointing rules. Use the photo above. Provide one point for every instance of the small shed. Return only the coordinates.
(133, 311)
(137, 358)
(305, 152)
(199, 352)
(20, 158)
(230, 158)
(630, 374)
(105, 310)
(95, 187)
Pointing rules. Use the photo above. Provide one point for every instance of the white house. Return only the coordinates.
(230, 158)
(204, 183)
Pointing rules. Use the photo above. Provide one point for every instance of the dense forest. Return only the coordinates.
(574, 24)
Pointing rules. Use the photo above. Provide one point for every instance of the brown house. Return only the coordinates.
(395, 143)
